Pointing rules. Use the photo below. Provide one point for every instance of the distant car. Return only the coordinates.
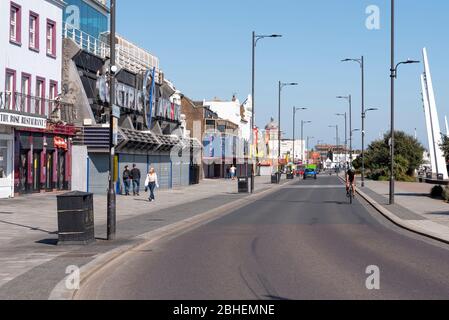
(310, 173)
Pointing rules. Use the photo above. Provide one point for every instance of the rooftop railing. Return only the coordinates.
(128, 55)
(86, 41)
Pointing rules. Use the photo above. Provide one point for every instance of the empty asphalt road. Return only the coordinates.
(302, 242)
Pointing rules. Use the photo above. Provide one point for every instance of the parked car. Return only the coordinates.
(310, 173)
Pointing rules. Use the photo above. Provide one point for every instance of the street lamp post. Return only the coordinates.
(294, 129)
(352, 134)
(361, 62)
(336, 137)
(111, 198)
(281, 86)
(302, 138)
(393, 77)
(255, 39)
(308, 154)
(349, 99)
(346, 133)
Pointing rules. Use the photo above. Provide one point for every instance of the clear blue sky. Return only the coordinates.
(205, 49)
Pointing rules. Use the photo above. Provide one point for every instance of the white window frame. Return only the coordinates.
(13, 24)
(32, 31)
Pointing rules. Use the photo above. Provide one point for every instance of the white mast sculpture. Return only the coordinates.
(432, 121)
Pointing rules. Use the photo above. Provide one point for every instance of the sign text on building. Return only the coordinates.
(18, 120)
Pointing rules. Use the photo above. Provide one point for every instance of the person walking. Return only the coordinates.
(151, 182)
(126, 176)
(135, 176)
(233, 170)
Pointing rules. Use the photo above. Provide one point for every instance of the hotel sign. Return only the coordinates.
(19, 120)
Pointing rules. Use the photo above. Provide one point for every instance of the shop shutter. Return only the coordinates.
(185, 174)
(98, 173)
(176, 173)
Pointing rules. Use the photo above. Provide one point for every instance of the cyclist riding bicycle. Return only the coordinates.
(350, 180)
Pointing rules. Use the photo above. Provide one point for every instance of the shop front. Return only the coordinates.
(6, 167)
(42, 160)
(10, 122)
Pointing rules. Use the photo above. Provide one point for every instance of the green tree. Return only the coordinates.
(445, 147)
(408, 157)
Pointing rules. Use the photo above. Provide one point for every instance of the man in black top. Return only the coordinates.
(350, 179)
(126, 180)
(135, 176)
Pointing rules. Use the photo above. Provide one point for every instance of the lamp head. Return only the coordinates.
(409, 61)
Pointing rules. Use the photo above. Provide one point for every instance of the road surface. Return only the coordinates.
(302, 242)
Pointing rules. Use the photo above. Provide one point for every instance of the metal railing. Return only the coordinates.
(54, 110)
(128, 56)
(86, 41)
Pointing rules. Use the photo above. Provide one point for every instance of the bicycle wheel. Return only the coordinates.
(351, 195)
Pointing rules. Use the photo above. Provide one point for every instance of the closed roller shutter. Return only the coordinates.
(185, 174)
(176, 174)
(98, 167)
(162, 166)
(164, 173)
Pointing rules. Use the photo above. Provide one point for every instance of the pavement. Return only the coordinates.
(31, 262)
(302, 241)
(414, 209)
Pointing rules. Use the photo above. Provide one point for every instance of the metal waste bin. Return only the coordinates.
(440, 176)
(243, 184)
(75, 218)
(275, 178)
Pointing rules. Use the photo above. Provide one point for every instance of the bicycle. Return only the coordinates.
(351, 193)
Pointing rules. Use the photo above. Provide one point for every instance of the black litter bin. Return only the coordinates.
(243, 184)
(275, 178)
(440, 176)
(75, 218)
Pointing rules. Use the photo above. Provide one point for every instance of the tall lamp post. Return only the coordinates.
(295, 109)
(302, 138)
(353, 130)
(336, 136)
(349, 99)
(308, 152)
(361, 62)
(281, 86)
(393, 77)
(255, 39)
(111, 198)
(346, 133)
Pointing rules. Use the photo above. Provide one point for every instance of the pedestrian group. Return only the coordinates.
(133, 177)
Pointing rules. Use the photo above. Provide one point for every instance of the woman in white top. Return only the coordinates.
(151, 182)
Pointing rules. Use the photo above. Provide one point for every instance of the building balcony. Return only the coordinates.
(53, 110)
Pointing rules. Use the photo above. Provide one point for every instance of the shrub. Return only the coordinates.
(445, 194)
(437, 192)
